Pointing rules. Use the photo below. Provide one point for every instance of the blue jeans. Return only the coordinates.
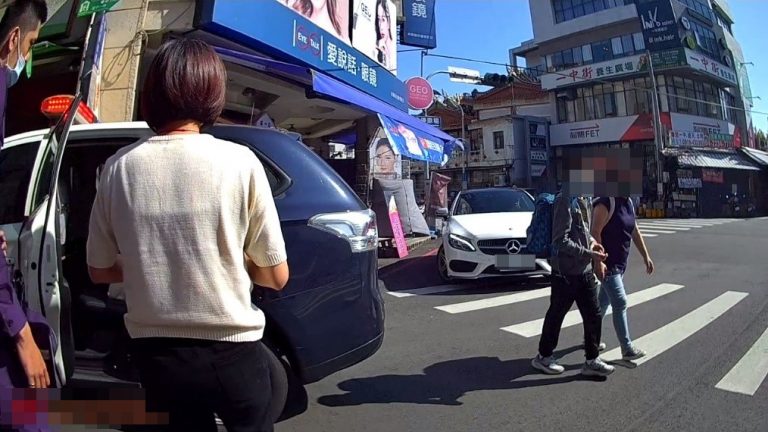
(612, 292)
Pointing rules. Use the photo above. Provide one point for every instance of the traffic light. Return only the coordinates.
(496, 80)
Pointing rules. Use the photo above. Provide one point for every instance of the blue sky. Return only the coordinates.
(487, 29)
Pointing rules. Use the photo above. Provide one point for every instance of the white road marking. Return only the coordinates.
(649, 235)
(667, 227)
(655, 231)
(695, 224)
(750, 372)
(425, 291)
(572, 318)
(475, 305)
(666, 337)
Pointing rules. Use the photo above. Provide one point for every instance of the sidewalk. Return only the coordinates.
(423, 246)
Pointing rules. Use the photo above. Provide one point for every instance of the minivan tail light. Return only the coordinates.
(356, 227)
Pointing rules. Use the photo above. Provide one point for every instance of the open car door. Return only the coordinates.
(40, 250)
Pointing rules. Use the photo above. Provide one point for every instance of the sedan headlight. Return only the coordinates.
(461, 243)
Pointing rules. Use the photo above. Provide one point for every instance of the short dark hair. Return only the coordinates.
(25, 14)
(187, 80)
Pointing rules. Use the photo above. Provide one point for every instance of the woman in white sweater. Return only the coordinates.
(187, 223)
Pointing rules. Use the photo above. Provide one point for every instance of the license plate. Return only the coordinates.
(515, 262)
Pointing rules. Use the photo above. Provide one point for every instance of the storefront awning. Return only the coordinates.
(758, 156)
(715, 159)
(324, 86)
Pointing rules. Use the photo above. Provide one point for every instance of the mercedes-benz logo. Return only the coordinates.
(513, 247)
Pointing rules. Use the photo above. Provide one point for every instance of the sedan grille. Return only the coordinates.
(498, 246)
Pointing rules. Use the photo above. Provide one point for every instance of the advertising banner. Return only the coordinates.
(397, 229)
(419, 27)
(598, 71)
(687, 139)
(412, 144)
(312, 36)
(659, 24)
(330, 15)
(386, 162)
(374, 31)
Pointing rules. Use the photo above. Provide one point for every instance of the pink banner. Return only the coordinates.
(397, 229)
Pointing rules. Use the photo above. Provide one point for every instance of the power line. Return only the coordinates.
(598, 80)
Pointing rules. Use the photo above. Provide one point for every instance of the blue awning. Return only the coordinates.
(324, 86)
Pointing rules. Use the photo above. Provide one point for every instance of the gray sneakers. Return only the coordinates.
(548, 365)
(632, 354)
(597, 367)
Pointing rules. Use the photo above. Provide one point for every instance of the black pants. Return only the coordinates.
(565, 290)
(192, 379)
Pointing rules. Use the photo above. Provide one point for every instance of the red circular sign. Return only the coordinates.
(420, 95)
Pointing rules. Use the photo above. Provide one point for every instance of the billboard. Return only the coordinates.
(659, 24)
(412, 144)
(276, 29)
(330, 15)
(419, 26)
(374, 29)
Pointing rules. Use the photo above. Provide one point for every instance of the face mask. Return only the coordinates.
(15, 73)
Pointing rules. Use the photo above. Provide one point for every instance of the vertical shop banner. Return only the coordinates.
(90, 71)
(659, 24)
(419, 27)
(397, 229)
(413, 144)
(374, 31)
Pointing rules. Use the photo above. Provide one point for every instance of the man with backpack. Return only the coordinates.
(572, 252)
(614, 226)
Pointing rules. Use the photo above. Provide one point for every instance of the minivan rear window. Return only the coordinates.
(16, 164)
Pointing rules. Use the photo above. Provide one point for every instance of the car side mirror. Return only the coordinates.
(442, 212)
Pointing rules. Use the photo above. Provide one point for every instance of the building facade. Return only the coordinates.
(666, 77)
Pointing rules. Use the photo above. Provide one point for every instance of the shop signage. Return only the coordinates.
(597, 71)
(538, 156)
(420, 96)
(89, 7)
(687, 139)
(667, 59)
(432, 120)
(659, 24)
(380, 47)
(712, 175)
(617, 129)
(689, 183)
(705, 64)
(537, 170)
(418, 29)
(279, 31)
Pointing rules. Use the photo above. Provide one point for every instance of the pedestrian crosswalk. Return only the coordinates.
(744, 378)
(656, 227)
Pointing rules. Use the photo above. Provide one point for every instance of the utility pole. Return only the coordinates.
(657, 130)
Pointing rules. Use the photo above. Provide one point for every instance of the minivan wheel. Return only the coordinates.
(442, 265)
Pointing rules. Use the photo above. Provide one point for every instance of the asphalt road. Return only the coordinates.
(703, 318)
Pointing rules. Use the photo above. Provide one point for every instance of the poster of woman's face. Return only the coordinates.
(385, 162)
(374, 28)
(330, 15)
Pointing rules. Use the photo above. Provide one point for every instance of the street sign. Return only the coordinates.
(432, 120)
(462, 75)
(89, 7)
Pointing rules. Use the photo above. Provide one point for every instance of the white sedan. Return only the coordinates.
(485, 236)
